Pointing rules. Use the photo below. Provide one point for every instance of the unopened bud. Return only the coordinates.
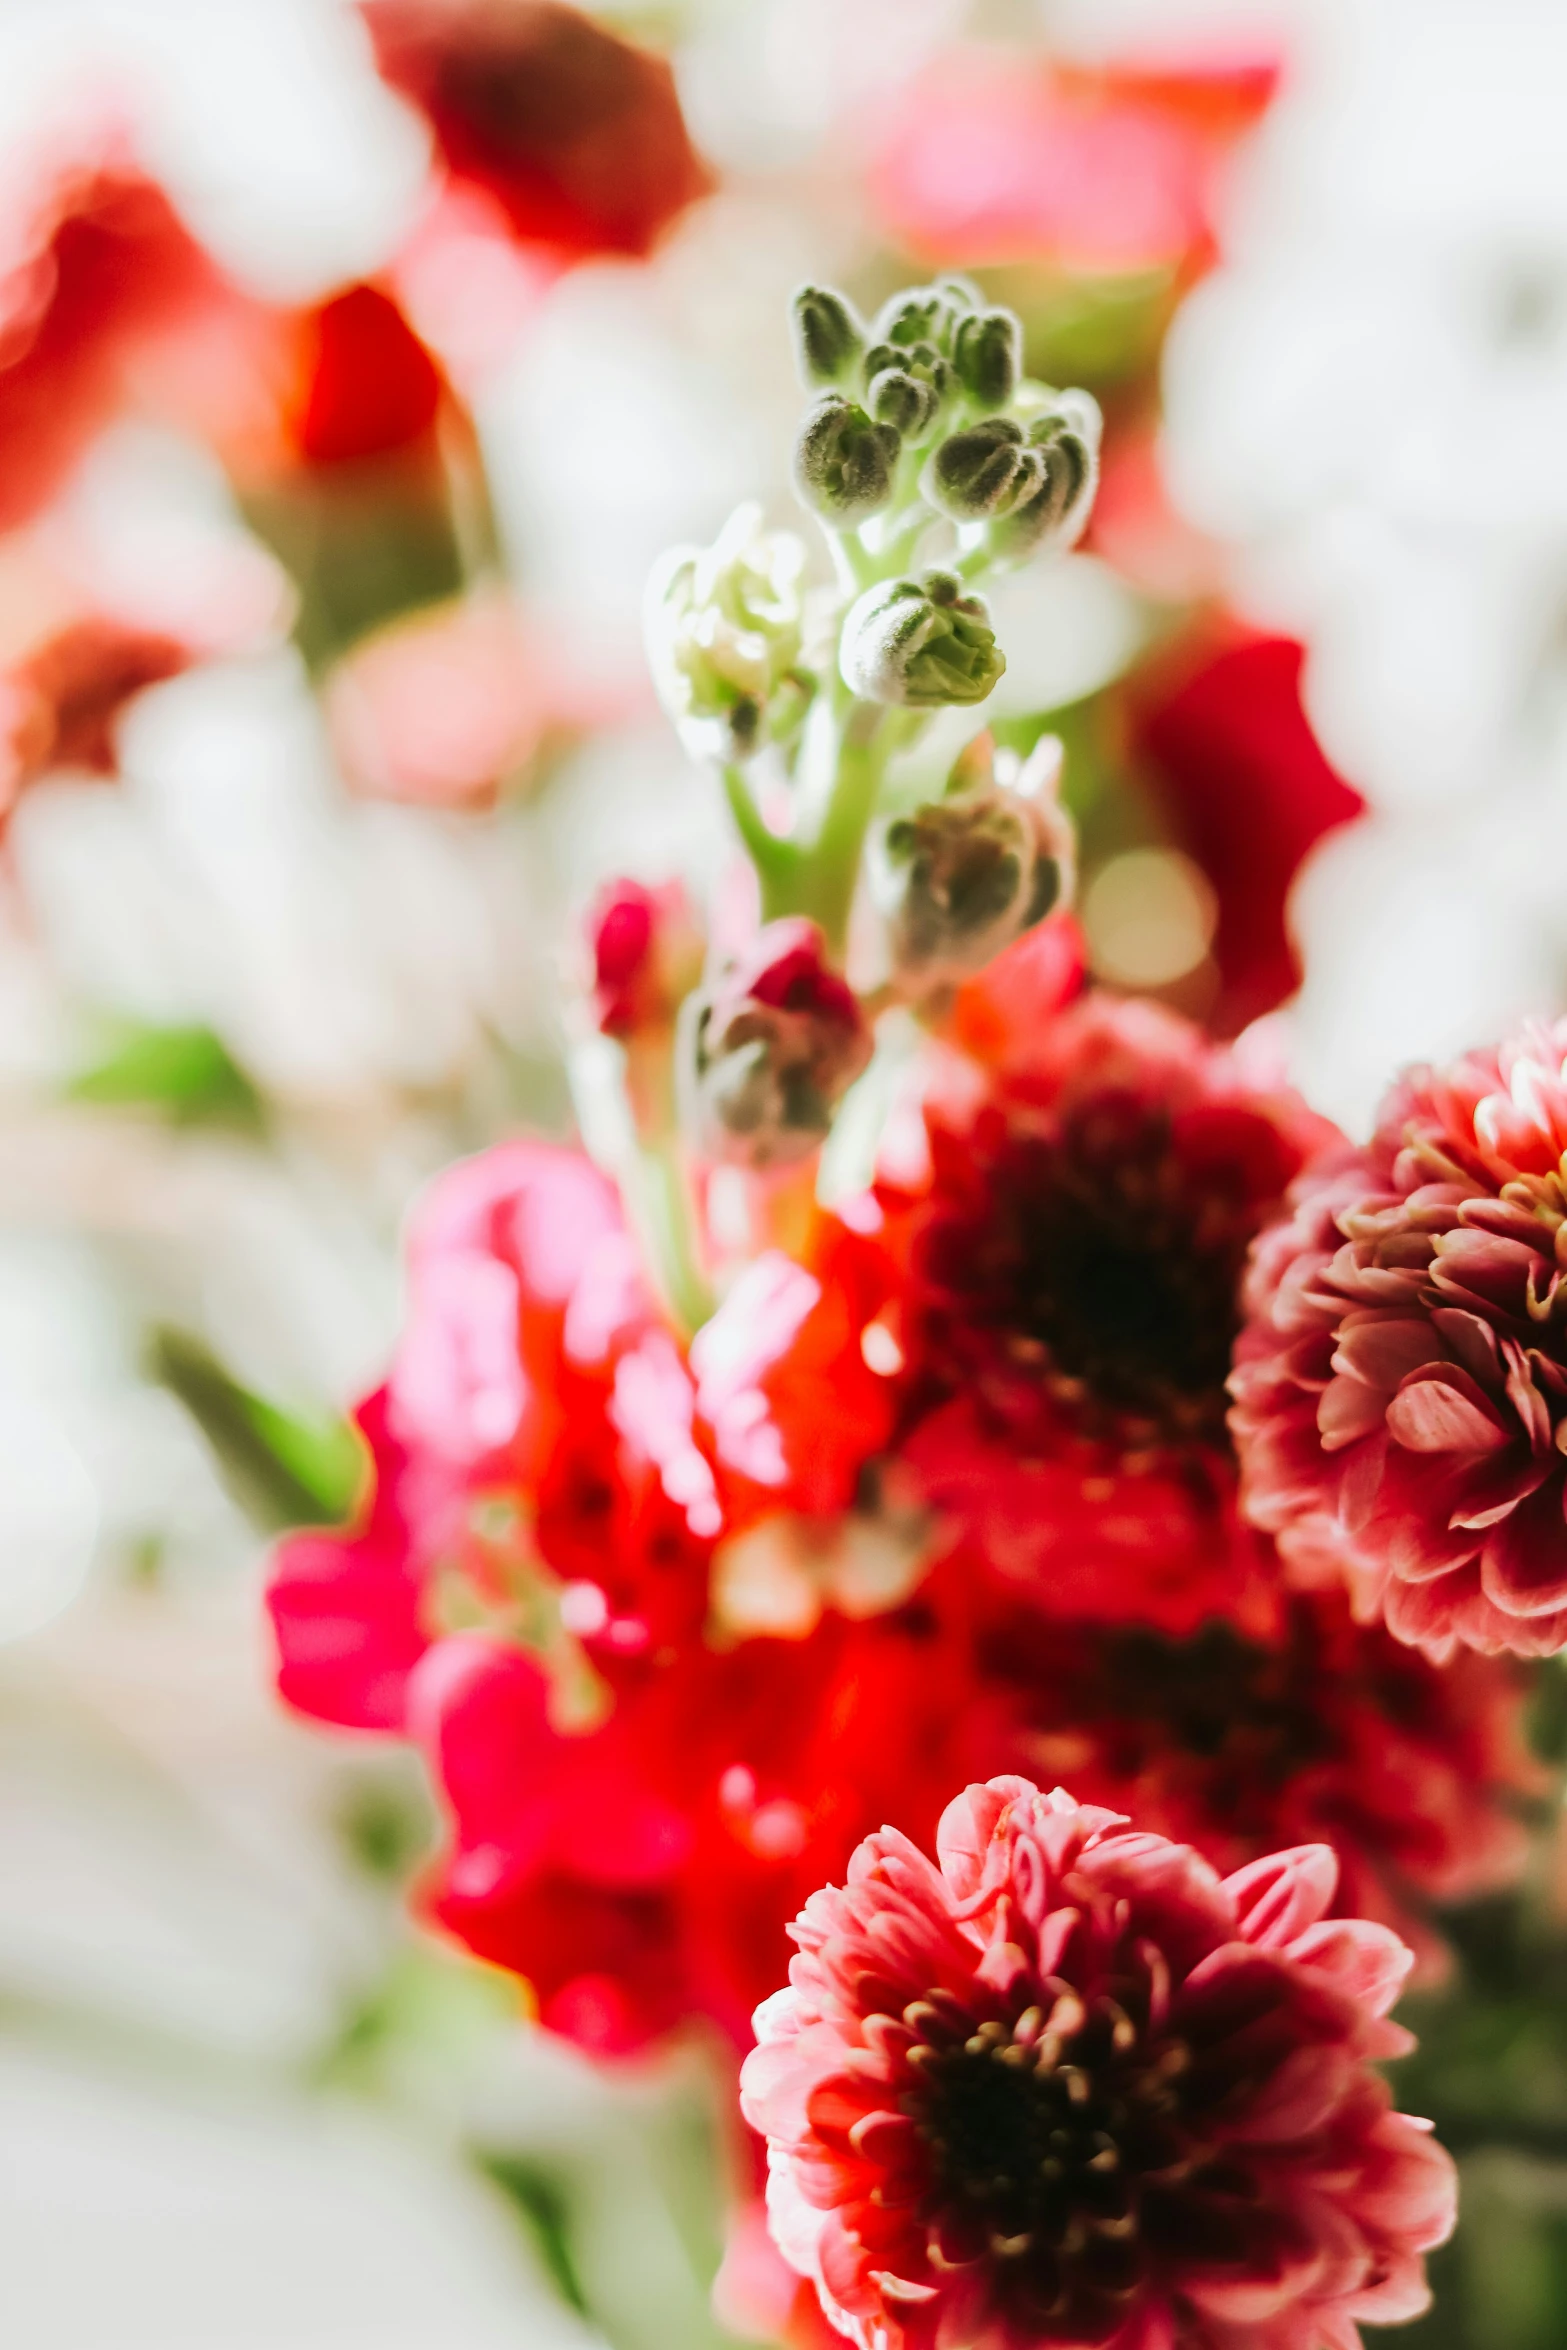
(962, 877)
(897, 398)
(724, 627)
(645, 948)
(925, 314)
(920, 643)
(843, 462)
(1064, 441)
(983, 471)
(987, 352)
(770, 1047)
(828, 337)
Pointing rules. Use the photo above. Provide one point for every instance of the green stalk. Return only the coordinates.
(664, 1214)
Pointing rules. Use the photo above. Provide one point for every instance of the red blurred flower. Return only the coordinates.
(1331, 1733)
(96, 267)
(993, 158)
(1219, 733)
(1401, 1388)
(646, 949)
(1071, 2087)
(575, 132)
(1072, 1298)
(365, 384)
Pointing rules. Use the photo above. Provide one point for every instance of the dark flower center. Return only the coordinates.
(1040, 2135)
(1105, 1269)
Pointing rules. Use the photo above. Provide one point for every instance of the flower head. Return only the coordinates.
(771, 1046)
(1329, 1732)
(724, 630)
(1073, 1296)
(1401, 1387)
(1070, 2086)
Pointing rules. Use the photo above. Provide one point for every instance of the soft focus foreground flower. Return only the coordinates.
(1401, 1387)
(1073, 1295)
(95, 267)
(575, 132)
(1072, 2087)
(1329, 1732)
(771, 1046)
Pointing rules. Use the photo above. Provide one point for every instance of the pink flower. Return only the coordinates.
(1401, 1390)
(1072, 2087)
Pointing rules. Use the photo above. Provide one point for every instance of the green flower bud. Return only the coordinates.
(904, 401)
(843, 462)
(982, 471)
(1064, 440)
(724, 632)
(987, 352)
(925, 314)
(828, 337)
(962, 877)
(920, 643)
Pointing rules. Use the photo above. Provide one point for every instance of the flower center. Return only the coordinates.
(1122, 1294)
(1106, 1271)
(1039, 2133)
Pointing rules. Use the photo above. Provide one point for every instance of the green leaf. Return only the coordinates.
(186, 1072)
(282, 1470)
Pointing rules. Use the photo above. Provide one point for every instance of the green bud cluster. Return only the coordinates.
(930, 398)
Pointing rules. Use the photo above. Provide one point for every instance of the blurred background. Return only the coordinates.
(343, 408)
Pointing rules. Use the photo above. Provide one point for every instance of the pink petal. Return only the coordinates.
(1433, 1414)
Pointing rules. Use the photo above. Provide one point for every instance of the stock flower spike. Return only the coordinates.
(1071, 2087)
(1401, 1386)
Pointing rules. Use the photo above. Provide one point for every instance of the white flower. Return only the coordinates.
(724, 632)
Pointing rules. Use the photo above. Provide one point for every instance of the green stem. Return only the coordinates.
(775, 860)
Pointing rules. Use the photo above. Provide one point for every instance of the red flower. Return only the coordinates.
(97, 267)
(1220, 735)
(994, 159)
(1073, 1295)
(1072, 2087)
(1401, 1389)
(364, 384)
(577, 134)
(646, 948)
(1330, 1733)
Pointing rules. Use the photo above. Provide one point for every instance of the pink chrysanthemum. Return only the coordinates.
(1073, 2088)
(1401, 1390)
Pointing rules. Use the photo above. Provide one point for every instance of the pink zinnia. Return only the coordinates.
(1401, 1390)
(1072, 2087)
